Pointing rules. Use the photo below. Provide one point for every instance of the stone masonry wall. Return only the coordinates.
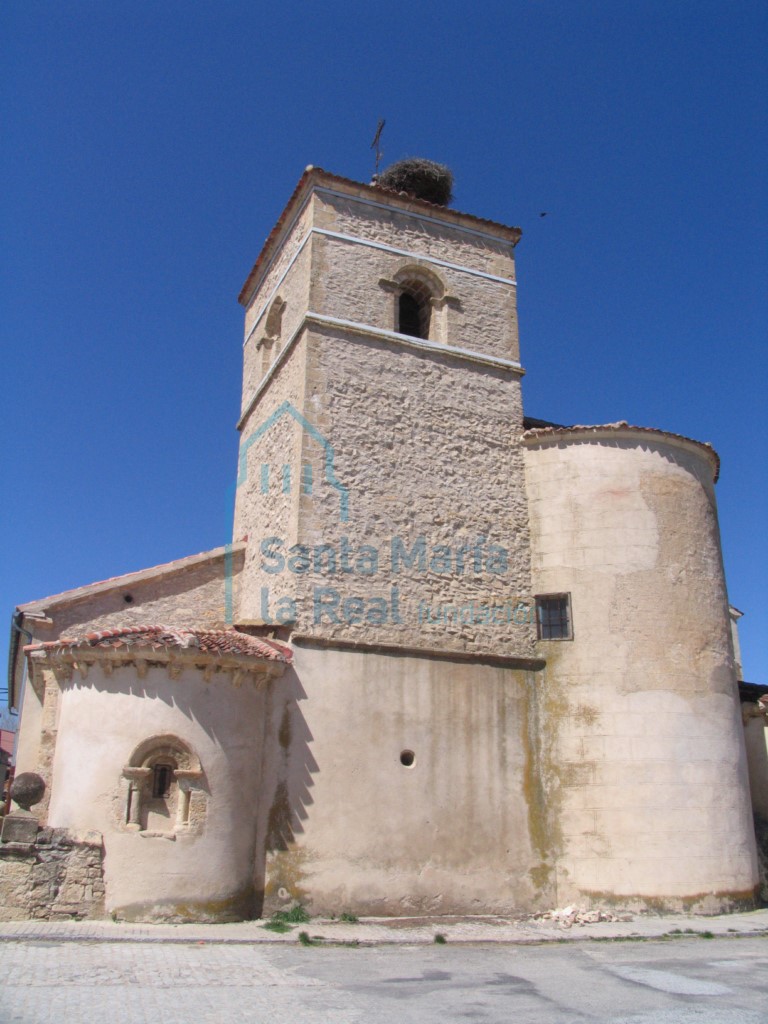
(294, 292)
(432, 237)
(422, 444)
(257, 303)
(426, 446)
(268, 504)
(293, 289)
(193, 596)
(58, 877)
(345, 284)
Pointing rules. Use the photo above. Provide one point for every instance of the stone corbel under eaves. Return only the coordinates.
(242, 668)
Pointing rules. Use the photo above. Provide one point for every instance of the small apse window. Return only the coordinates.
(407, 758)
(162, 776)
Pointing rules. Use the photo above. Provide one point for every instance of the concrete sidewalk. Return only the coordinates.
(387, 931)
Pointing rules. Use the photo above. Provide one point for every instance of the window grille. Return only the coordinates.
(553, 617)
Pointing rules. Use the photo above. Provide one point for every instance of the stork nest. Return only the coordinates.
(422, 179)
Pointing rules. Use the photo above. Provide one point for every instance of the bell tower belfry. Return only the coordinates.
(381, 479)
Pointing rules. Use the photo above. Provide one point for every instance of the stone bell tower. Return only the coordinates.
(381, 477)
(381, 492)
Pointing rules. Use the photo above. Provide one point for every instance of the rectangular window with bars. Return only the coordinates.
(553, 617)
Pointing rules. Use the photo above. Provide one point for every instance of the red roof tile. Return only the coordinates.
(209, 641)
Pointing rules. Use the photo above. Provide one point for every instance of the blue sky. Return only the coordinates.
(149, 148)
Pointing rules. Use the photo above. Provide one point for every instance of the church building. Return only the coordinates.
(454, 660)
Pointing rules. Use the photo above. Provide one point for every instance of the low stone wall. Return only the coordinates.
(58, 876)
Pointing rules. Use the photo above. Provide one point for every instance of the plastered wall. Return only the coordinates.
(348, 827)
(205, 871)
(652, 800)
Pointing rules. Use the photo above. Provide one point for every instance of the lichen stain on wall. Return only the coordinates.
(286, 874)
(540, 784)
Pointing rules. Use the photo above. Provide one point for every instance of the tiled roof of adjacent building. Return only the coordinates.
(132, 578)
(224, 642)
(754, 692)
(553, 430)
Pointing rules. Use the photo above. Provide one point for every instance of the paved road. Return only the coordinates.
(680, 981)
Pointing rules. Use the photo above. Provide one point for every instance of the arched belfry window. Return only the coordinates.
(419, 300)
(274, 323)
(272, 341)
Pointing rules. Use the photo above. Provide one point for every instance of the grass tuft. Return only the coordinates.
(277, 926)
(296, 915)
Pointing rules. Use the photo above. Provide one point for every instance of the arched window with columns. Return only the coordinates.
(163, 774)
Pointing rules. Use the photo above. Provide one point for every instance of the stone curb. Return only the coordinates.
(402, 931)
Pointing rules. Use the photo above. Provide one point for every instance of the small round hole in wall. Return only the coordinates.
(128, 598)
(407, 758)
